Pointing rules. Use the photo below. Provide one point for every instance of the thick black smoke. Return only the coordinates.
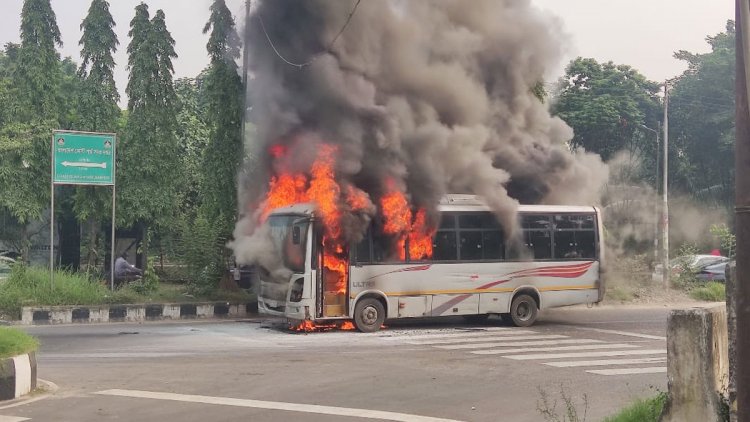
(434, 95)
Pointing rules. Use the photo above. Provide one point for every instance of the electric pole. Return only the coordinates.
(665, 193)
(742, 209)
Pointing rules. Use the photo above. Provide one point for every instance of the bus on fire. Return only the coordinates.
(473, 270)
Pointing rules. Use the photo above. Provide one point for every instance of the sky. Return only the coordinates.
(641, 33)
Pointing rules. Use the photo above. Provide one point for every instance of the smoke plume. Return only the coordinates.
(432, 97)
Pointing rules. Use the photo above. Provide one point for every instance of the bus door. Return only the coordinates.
(332, 281)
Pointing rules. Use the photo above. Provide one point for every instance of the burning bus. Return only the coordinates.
(467, 267)
(406, 264)
(365, 117)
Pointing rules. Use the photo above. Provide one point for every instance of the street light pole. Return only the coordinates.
(656, 189)
(665, 194)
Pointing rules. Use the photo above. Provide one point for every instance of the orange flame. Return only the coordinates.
(322, 189)
(420, 237)
(398, 222)
(308, 326)
(347, 326)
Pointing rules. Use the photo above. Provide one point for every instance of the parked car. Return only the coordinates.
(714, 272)
(5, 266)
(696, 262)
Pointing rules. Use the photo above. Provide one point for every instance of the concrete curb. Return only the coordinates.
(43, 315)
(697, 364)
(17, 376)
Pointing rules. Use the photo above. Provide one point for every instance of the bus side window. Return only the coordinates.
(494, 244)
(539, 243)
(537, 235)
(471, 245)
(363, 250)
(444, 246)
(575, 237)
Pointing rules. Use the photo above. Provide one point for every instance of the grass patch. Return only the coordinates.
(30, 286)
(644, 410)
(712, 292)
(15, 342)
(619, 294)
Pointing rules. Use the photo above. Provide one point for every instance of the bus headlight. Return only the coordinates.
(297, 288)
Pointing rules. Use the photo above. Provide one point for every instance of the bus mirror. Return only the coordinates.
(296, 235)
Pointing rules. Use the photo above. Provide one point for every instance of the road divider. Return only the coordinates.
(39, 315)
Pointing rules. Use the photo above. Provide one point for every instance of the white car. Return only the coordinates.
(697, 262)
(5, 264)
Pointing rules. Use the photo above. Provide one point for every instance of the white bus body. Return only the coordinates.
(472, 271)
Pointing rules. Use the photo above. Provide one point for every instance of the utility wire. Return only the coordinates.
(315, 57)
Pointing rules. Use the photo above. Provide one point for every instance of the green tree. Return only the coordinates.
(148, 151)
(38, 71)
(606, 104)
(98, 110)
(702, 122)
(224, 98)
(33, 113)
(193, 134)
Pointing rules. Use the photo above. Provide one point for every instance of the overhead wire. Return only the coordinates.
(315, 57)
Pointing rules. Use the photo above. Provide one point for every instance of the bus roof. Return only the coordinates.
(458, 203)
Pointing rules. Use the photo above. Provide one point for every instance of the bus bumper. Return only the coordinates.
(289, 310)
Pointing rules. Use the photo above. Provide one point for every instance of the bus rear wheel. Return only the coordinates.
(523, 311)
(369, 315)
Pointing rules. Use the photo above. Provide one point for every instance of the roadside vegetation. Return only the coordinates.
(30, 286)
(711, 292)
(14, 342)
(642, 410)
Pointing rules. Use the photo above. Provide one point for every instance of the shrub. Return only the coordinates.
(648, 410)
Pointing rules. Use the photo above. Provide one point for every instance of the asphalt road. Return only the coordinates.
(412, 371)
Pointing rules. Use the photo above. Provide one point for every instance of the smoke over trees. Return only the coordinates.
(437, 96)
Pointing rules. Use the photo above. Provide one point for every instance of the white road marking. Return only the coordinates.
(624, 333)
(629, 371)
(549, 349)
(517, 343)
(486, 338)
(273, 405)
(586, 354)
(457, 334)
(602, 362)
(12, 419)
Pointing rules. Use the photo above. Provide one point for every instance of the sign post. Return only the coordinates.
(83, 158)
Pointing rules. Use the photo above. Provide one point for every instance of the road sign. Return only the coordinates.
(83, 158)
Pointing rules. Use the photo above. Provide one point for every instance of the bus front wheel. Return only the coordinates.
(369, 315)
(523, 311)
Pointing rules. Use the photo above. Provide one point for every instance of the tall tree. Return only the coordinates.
(224, 96)
(193, 134)
(98, 110)
(149, 148)
(606, 104)
(24, 142)
(702, 122)
(38, 71)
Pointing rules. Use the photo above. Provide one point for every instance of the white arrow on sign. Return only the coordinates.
(75, 164)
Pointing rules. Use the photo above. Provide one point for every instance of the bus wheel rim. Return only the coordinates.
(370, 315)
(522, 312)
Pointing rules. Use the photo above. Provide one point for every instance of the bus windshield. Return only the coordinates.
(289, 236)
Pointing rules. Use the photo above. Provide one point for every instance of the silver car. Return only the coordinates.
(696, 262)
